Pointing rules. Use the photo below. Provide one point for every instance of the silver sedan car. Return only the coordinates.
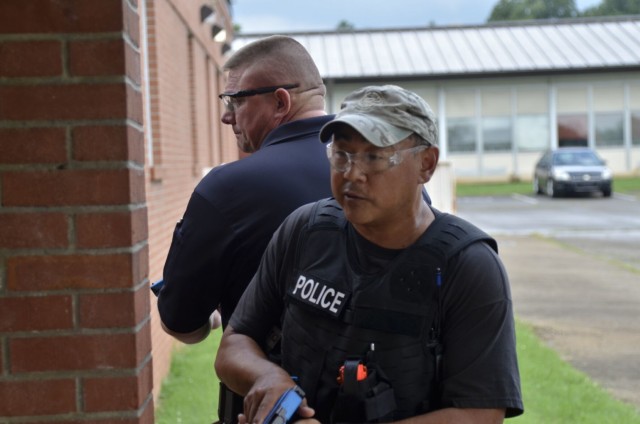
(572, 170)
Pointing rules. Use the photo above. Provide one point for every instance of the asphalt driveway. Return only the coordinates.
(574, 266)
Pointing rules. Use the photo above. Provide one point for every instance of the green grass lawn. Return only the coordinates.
(553, 391)
(556, 393)
(629, 185)
(625, 185)
(190, 393)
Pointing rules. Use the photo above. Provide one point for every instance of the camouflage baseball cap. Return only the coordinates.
(385, 115)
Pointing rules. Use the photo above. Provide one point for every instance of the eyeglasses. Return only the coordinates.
(368, 162)
(230, 99)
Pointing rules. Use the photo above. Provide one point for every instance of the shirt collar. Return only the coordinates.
(296, 129)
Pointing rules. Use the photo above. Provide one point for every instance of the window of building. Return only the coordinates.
(573, 128)
(461, 121)
(496, 134)
(532, 120)
(461, 134)
(608, 107)
(635, 128)
(635, 113)
(609, 129)
(532, 133)
(496, 119)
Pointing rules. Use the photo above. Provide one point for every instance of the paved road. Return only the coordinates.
(609, 227)
(574, 266)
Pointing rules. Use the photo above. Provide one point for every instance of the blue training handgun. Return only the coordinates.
(286, 406)
(155, 287)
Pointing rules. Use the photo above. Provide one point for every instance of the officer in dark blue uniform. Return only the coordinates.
(274, 103)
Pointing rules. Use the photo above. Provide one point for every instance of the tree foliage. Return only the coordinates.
(509, 10)
(344, 26)
(614, 7)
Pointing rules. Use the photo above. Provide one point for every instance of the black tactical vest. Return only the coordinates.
(388, 322)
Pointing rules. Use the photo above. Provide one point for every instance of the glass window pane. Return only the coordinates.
(572, 130)
(635, 114)
(461, 134)
(635, 128)
(635, 96)
(609, 130)
(496, 134)
(532, 133)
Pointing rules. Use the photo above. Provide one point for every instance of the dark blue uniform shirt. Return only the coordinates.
(230, 218)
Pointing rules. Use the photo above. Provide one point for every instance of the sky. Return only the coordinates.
(269, 16)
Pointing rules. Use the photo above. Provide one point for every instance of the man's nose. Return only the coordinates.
(353, 170)
(228, 117)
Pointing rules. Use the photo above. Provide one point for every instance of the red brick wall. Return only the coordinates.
(75, 331)
(97, 162)
(185, 131)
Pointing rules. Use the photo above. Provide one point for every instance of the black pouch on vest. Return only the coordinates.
(370, 397)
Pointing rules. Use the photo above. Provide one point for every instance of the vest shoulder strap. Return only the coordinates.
(449, 234)
(327, 213)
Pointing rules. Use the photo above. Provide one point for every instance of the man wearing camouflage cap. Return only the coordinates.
(386, 309)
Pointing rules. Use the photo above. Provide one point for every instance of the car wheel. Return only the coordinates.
(551, 190)
(536, 186)
(606, 192)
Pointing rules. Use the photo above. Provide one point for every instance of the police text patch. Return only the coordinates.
(319, 295)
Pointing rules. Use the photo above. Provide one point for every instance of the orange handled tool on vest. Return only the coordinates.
(361, 373)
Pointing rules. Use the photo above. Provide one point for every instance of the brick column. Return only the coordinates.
(74, 299)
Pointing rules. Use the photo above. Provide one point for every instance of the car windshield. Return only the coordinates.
(577, 158)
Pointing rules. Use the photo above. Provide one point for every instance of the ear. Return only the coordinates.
(283, 102)
(429, 163)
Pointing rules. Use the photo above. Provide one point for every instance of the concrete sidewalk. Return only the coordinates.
(583, 306)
